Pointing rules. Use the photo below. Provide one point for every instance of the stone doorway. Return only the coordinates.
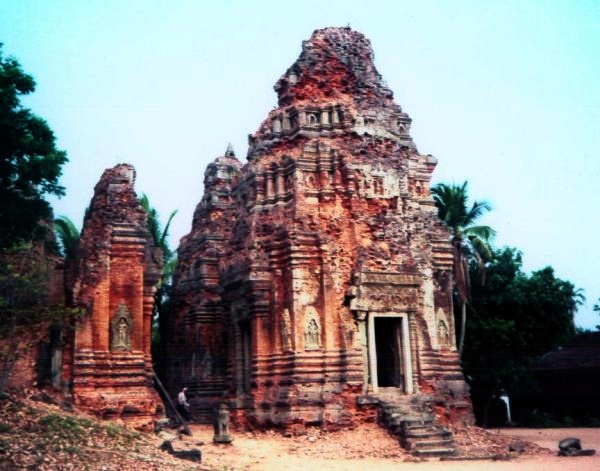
(388, 345)
(389, 352)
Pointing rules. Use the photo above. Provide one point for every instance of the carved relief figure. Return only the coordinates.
(443, 329)
(122, 332)
(312, 330)
(207, 366)
(443, 334)
(121, 329)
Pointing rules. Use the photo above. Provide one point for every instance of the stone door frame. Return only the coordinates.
(405, 357)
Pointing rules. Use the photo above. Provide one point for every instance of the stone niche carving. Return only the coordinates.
(207, 365)
(443, 329)
(348, 328)
(376, 182)
(444, 334)
(120, 328)
(312, 329)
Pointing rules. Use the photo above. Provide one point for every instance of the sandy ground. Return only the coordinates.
(372, 448)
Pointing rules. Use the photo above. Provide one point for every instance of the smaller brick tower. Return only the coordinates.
(108, 363)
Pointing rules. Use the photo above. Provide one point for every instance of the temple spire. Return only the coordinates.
(229, 151)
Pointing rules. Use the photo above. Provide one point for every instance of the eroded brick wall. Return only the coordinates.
(108, 363)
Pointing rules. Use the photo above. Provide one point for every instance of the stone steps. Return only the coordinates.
(427, 433)
(410, 419)
(435, 452)
(432, 444)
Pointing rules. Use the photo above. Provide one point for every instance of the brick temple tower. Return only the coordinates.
(107, 361)
(317, 275)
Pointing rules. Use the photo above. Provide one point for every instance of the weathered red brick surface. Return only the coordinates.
(109, 364)
(318, 273)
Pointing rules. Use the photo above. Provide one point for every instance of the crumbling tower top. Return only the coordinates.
(331, 91)
(335, 63)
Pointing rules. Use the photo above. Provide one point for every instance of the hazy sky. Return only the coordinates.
(506, 94)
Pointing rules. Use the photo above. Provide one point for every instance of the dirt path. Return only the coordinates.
(549, 437)
(372, 448)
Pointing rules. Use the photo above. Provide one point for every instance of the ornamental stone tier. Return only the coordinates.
(108, 360)
(317, 276)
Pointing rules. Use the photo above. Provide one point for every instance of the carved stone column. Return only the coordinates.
(361, 319)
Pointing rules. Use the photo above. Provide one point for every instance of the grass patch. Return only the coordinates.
(64, 426)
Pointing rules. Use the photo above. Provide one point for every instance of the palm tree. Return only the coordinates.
(162, 295)
(577, 300)
(469, 242)
(68, 236)
(160, 236)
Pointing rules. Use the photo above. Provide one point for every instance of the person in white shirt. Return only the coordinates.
(182, 404)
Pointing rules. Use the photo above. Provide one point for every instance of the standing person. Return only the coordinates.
(182, 404)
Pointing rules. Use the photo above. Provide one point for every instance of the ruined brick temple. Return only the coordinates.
(106, 360)
(316, 276)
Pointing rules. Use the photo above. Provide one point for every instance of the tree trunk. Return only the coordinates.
(463, 323)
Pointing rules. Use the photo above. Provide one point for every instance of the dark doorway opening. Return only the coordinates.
(388, 346)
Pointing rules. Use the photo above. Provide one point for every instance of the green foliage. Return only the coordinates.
(23, 287)
(162, 297)
(69, 433)
(469, 242)
(30, 163)
(68, 236)
(452, 203)
(25, 274)
(159, 234)
(514, 318)
(64, 426)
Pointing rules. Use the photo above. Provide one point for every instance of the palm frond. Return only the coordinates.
(165, 232)
(68, 236)
(485, 233)
(152, 220)
(451, 201)
(476, 211)
(169, 267)
(469, 241)
(481, 248)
